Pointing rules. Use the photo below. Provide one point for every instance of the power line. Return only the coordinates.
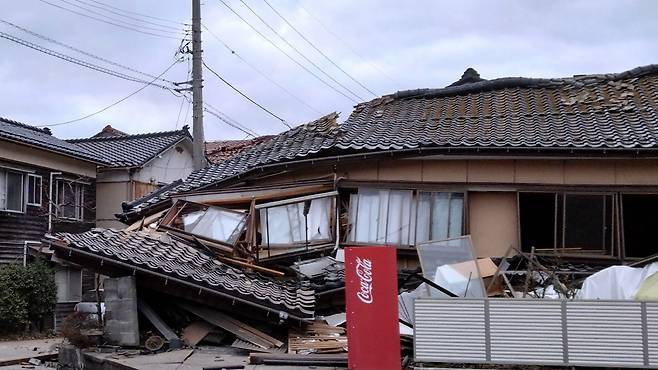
(128, 16)
(108, 22)
(348, 46)
(80, 51)
(77, 61)
(228, 122)
(246, 97)
(115, 103)
(286, 54)
(299, 52)
(231, 119)
(140, 14)
(168, 30)
(263, 74)
(318, 50)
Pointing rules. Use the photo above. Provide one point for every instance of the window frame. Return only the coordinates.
(79, 208)
(413, 224)
(22, 187)
(37, 191)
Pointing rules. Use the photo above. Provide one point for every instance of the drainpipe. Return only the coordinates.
(25, 244)
(50, 201)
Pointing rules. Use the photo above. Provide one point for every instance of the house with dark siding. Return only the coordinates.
(47, 185)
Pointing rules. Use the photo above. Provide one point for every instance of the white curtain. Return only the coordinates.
(286, 224)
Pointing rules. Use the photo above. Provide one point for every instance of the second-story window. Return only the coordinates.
(69, 199)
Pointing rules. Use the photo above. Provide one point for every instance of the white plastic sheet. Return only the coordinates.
(616, 282)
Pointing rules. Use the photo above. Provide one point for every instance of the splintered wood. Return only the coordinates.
(317, 337)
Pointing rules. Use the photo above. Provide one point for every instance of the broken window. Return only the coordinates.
(209, 222)
(452, 265)
(567, 222)
(402, 217)
(297, 222)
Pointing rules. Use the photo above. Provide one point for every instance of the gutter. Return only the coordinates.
(95, 161)
(71, 250)
(410, 152)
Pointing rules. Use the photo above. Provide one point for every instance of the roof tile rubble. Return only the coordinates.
(161, 253)
(218, 151)
(131, 150)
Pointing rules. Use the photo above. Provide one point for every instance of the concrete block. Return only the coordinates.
(121, 325)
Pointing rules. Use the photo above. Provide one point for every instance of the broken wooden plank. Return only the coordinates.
(236, 327)
(196, 332)
(160, 325)
(265, 270)
(298, 360)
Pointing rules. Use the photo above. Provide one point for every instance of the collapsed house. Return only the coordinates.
(562, 169)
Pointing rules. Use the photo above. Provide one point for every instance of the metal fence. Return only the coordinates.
(536, 332)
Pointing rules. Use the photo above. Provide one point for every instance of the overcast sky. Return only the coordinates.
(384, 45)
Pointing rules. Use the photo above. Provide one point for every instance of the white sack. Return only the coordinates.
(616, 282)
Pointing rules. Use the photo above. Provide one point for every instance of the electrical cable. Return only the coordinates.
(286, 54)
(299, 52)
(263, 74)
(231, 119)
(77, 61)
(108, 22)
(128, 16)
(318, 50)
(246, 97)
(175, 31)
(348, 46)
(227, 122)
(46, 38)
(140, 14)
(115, 103)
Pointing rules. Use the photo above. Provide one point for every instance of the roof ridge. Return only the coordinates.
(26, 126)
(524, 82)
(183, 132)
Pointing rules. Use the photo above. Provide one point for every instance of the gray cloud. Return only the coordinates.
(416, 43)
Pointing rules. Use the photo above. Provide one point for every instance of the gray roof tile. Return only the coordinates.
(131, 150)
(161, 253)
(42, 138)
(612, 111)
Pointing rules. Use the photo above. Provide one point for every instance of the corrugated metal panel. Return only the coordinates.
(605, 333)
(526, 331)
(540, 332)
(652, 331)
(449, 330)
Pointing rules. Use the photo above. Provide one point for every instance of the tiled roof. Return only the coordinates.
(109, 131)
(297, 142)
(42, 138)
(219, 151)
(131, 150)
(160, 253)
(617, 111)
(611, 111)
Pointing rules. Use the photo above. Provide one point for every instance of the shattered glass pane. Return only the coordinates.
(287, 224)
(452, 265)
(216, 223)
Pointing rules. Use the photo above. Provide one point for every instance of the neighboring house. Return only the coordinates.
(565, 165)
(218, 151)
(138, 165)
(46, 185)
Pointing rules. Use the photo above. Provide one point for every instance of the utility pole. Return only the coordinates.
(198, 151)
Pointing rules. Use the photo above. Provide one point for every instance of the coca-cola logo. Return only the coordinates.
(364, 272)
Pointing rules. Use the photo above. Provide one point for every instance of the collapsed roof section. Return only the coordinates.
(592, 114)
(156, 254)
